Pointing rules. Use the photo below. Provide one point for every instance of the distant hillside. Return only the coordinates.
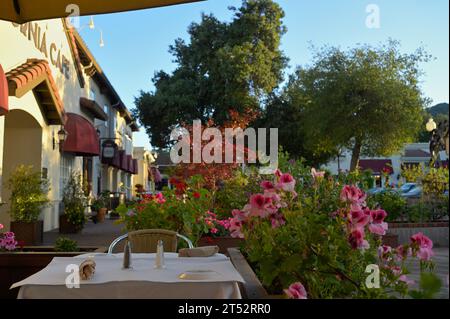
(441, 108)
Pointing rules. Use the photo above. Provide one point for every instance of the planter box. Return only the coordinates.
(65, 227)
(224, 243)
(28, 233)
(390, 239)
(16, 266)
(436, 231)
(252, 288)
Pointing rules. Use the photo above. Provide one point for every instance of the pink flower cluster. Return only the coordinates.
(266, 205)
(7, 240)
(296, 291)
(359, 217)
(420, 246)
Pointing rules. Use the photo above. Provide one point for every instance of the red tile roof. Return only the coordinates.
(30, 75)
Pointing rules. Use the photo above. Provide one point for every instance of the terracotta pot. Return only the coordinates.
(101, 215)
(223, 242)
(28, 233)
(65, 227)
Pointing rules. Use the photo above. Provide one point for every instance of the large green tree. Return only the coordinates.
(366, 99)
(226, 65)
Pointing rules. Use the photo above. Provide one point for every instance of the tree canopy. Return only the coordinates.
(225, 66)
(366, 99)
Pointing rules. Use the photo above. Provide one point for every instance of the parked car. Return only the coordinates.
(405, 188)
(413, 193)
(374, 190)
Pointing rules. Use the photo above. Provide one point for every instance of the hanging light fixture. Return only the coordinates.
(91, 23)
(102, 43)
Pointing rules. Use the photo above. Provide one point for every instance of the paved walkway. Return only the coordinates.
(101, 234)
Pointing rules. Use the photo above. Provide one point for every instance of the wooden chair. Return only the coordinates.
(146, 241)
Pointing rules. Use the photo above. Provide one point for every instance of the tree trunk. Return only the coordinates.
(355, 156)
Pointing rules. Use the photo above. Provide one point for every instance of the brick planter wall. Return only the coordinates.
(436, 231)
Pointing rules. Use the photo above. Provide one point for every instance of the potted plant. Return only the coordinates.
(75, 202)
(28, 196)
(99, 206)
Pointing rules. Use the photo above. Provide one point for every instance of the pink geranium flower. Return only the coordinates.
(353, 196)
(1, 226)
(268, 186)
(402, 252)
(423, 245)
(236, 228)
(317, 174)
(296, 291)
(357, 241)
(406, 280)
(160, 198)
(286, 183)
(377, 225)
(358, 219)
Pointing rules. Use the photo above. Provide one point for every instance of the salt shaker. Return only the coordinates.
(159, 260)
(127, 256)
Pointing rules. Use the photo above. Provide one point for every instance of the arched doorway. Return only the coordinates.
(22, 144)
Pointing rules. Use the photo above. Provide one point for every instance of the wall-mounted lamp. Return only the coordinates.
(62, 136)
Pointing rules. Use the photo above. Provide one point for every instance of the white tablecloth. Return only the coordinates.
(140, 282)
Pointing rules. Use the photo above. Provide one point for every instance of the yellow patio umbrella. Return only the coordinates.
(21, 11)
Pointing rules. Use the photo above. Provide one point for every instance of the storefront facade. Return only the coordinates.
(55, 85)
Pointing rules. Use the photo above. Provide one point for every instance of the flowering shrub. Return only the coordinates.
(317, 237)
(7, 241)
(185, 209)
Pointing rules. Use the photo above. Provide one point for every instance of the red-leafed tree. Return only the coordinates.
(214, 173)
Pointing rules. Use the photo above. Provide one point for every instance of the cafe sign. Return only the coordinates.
(38, 36)
(109, 149)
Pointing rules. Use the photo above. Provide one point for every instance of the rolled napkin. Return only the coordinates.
(206, 251)
(87, 269)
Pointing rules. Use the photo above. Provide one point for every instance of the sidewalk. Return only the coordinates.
(101, 234)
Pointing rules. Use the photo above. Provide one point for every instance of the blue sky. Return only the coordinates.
(136, 43)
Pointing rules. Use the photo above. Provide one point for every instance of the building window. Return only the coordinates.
(106, 110)
(66, 167)
(92, 94)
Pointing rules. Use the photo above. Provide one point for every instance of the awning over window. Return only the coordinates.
(93, 108)
(82, 138)
(154, 174)
(36, 75)
(135, 167)
(123, 161)
(3, 92)
(129, 164)
(378, 166)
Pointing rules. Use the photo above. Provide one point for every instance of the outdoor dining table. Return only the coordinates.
(142, 281)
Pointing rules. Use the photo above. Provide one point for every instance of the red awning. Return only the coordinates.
(135, 167)
(155, 174)
(3, 92)
(123, 161)
(129, 164)
(378, 166)
(82, 138)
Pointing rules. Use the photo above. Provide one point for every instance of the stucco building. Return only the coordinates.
(50, 83)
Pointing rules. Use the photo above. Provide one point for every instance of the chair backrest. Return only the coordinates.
(146, 241)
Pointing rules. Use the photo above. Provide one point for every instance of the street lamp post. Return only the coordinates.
(439, 139)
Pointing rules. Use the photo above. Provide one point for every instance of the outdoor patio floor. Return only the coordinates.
(103, 234)
(100, 234)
